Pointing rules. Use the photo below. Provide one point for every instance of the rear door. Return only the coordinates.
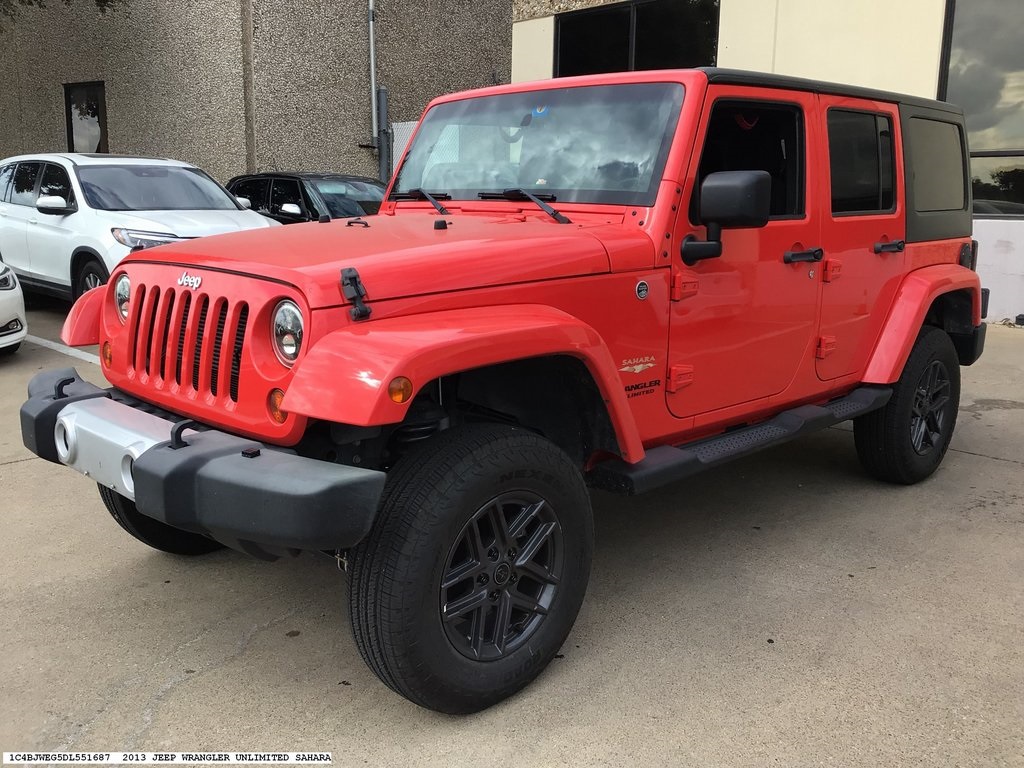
(863, 233)
(743, 324)
(18, 210)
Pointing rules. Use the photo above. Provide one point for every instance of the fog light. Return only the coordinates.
(274, 406)
(108, 354)
(400, 389)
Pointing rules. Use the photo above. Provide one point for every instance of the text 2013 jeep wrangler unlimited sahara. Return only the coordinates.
(615, 280)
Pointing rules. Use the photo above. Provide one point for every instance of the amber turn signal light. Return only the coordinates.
(400, 389)
(108, 355)
(274, 406)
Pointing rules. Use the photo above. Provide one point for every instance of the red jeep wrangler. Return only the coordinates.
(613, 281)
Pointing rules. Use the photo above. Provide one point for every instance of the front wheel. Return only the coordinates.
(905, 441)
(474, 572)
(91, 275)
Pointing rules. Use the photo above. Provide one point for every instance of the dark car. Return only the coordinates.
(293, 197)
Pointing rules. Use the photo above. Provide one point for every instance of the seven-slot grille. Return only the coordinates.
(187, 339)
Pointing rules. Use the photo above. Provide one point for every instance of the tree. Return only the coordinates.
(9, 8)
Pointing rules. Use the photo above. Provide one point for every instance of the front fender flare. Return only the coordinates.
(909, 308)
(82, 326)
(344, 377)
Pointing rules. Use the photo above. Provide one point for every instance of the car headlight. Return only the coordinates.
(8, 282)
(122, 295)
(133, 238)
(287, 331)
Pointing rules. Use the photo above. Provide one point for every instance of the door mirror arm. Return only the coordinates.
(694, 250)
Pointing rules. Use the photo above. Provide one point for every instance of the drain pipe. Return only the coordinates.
(373, 81)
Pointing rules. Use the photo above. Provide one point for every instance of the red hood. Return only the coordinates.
(403, 255)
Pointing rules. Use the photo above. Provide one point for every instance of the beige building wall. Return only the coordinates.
(888, 44)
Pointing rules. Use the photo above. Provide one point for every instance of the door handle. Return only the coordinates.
(896, 246)
(814, 254)
(33, 221)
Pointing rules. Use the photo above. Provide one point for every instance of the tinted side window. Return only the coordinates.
(755, 136)
(861, 161)
(253, 189)
(56, 182)
(5, 181)
(24, 187)
(285, 191)
(938, 172)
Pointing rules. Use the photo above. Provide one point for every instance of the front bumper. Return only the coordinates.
(250, 496)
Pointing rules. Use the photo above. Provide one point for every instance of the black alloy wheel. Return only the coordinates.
(501, 576)
(927, 424)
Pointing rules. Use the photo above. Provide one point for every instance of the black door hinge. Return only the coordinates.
(353, 290)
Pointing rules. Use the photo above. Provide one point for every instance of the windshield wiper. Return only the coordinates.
(517, 193)
(422, 194)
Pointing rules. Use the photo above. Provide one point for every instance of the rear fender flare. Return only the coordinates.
(914, 298)
(344, 377)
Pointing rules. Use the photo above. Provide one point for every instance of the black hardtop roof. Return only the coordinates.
(765, 80)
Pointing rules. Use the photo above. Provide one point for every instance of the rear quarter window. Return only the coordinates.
(940, 183)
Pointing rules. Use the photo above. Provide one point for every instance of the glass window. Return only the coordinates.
(56, 183)
(598, 144)
(986, 78)
(85, 109)
(938, 165)
(643, 34)
(152, 188)
(285, 191)
(255, 190)
(347, 197)
(755, 136)
(861, 162)
(5, 181)
(24, 187)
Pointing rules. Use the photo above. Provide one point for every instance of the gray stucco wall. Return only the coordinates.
(532, 9)
(172, 72)
(175, 83)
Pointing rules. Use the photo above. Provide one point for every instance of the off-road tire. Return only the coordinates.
(152, 532)
(92, 269)
(432, 497)
(884, 440)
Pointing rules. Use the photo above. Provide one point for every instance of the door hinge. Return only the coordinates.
(831, 270)
(826, 346)
(679, 376)
(684, 286)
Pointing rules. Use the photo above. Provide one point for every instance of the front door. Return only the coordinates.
(16, 213)
(52, 237)
(744, 324)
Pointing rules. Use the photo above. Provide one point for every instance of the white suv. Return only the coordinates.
(66, 220)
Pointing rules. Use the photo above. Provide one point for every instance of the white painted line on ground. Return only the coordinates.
(64, 350)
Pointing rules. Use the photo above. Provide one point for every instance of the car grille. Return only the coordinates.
(185, 340)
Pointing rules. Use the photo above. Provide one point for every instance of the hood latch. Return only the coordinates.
(353, 290)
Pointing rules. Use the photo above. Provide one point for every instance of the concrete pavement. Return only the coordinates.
(784, 610)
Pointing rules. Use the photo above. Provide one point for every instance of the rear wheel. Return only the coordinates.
(906, 441)
(153, 532)
(475, 569)
(91, 275)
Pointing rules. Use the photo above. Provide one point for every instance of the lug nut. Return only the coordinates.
(493, 553)
(482, 578)
(513, 579)
(512, 554)
(493, 595)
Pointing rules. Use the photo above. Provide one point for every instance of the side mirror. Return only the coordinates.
(53, 205)
(290, 209)
(245, 202)
(729, 200)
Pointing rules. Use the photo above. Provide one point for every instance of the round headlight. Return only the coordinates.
(122, 294)
(287, 331)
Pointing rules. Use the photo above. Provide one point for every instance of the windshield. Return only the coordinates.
(596, 144)
(152, 188)
(348, 197)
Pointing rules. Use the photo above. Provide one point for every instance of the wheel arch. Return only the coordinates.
(946, 296)
(81, 256)
(361, 360)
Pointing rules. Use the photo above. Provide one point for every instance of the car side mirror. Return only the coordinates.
(729, 200)
(54, 205)
(245, 202)
(290, 209)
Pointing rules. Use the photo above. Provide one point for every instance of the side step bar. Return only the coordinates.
(665, 464)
